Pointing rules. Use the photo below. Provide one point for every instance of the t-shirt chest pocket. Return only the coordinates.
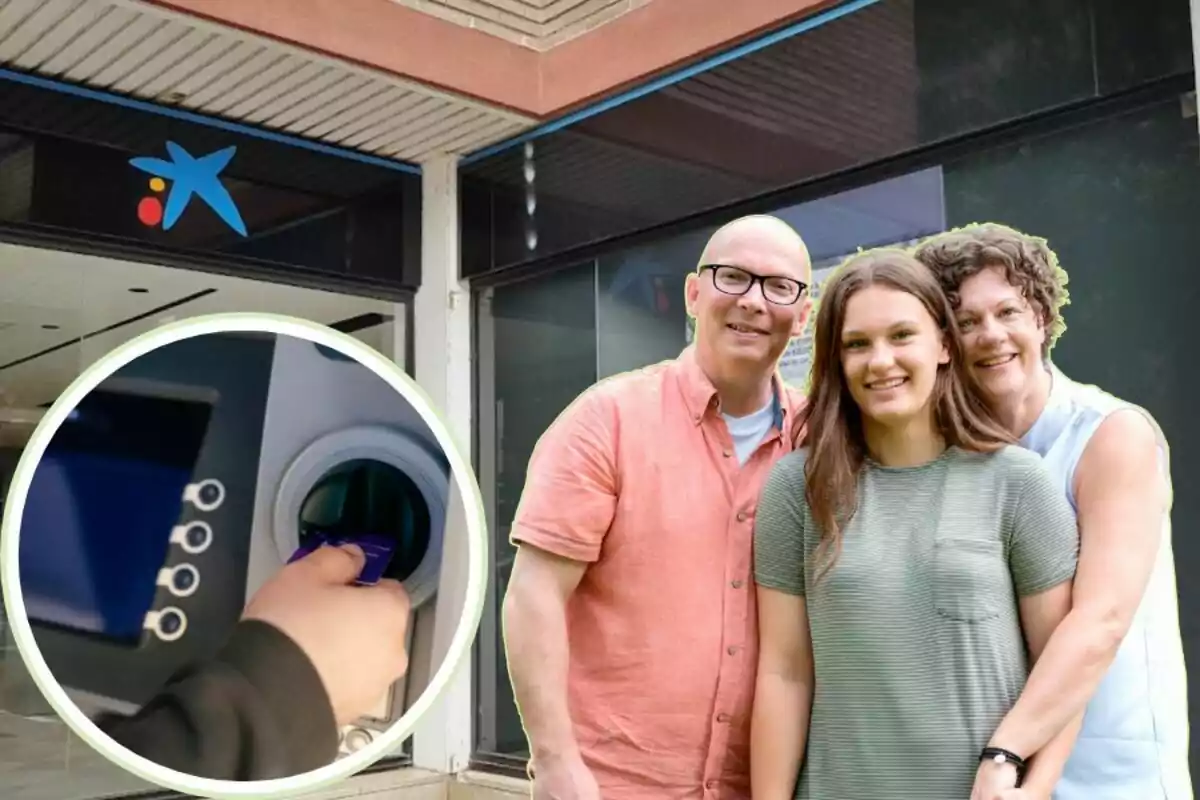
(971, 580)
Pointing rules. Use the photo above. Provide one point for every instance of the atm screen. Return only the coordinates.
(96, 526)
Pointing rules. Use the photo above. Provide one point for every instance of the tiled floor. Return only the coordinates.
(43, 760)
(40, 757)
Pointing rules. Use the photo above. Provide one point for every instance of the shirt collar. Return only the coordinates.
(700, 395)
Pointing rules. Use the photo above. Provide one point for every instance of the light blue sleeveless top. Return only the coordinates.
(1134, 742)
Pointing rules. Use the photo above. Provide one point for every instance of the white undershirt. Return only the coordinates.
(749, 431)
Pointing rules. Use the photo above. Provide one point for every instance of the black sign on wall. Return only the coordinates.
(82, 166)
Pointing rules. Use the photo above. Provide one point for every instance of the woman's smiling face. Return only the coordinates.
(1002, 333)
(891, 348)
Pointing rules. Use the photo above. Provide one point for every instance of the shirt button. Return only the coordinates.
(723, 718)
(736, 584)
(733, 649)
(710, 784)
(728, 454)
(741, 517)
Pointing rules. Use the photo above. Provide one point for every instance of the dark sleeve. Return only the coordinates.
(257, 711)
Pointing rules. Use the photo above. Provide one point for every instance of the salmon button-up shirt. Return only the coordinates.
(639, 479)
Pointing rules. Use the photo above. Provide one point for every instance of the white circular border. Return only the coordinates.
(463, 479)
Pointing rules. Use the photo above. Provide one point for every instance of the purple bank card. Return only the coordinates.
(378, 549)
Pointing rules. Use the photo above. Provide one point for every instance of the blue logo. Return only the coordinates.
(187, 176)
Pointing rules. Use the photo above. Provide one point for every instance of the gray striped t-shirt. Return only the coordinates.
(917, 641)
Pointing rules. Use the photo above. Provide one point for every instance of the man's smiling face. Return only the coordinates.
(748, 330)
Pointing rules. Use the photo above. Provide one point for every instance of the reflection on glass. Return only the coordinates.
(642, 317)
(642, 314)
(542, 338)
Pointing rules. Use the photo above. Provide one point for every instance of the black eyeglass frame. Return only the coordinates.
(754, 279)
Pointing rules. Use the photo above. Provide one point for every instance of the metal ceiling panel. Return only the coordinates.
(819, 87)
(138, 50)
(61, 311)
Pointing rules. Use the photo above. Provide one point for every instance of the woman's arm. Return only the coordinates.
(1041, 615)
(782, 695)
(1046, 768)
(784, 684)
(1121, 497)
(1043, 551)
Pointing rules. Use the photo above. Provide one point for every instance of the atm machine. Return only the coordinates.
(187, 479)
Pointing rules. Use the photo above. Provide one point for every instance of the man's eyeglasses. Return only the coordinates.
(737, 281)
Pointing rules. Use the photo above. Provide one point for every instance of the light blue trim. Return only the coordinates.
(207, 121)
(608, 104)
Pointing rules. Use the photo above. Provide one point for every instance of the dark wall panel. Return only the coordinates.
(1118, 202)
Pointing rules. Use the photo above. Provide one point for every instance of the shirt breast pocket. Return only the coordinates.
(971, 582)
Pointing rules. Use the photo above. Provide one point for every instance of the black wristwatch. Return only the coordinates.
(1002, 756)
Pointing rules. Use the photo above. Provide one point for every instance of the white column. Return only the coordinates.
(1196, 60)
(442, 356)
(396, 335)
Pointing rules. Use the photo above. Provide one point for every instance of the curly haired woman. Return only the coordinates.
(1118, 654)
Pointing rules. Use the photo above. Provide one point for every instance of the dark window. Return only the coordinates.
(537, 344)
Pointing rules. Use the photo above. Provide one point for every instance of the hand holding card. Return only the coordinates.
(378, 550)
(355, 636)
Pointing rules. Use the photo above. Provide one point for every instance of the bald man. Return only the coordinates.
(629, 619)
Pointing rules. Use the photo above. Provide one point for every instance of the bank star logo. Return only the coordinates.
(187, 176)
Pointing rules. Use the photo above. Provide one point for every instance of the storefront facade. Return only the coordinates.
(573, 219)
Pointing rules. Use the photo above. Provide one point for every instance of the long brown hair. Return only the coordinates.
(836, 445)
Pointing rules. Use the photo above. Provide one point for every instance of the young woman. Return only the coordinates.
(1121, 640)
(906, 558)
